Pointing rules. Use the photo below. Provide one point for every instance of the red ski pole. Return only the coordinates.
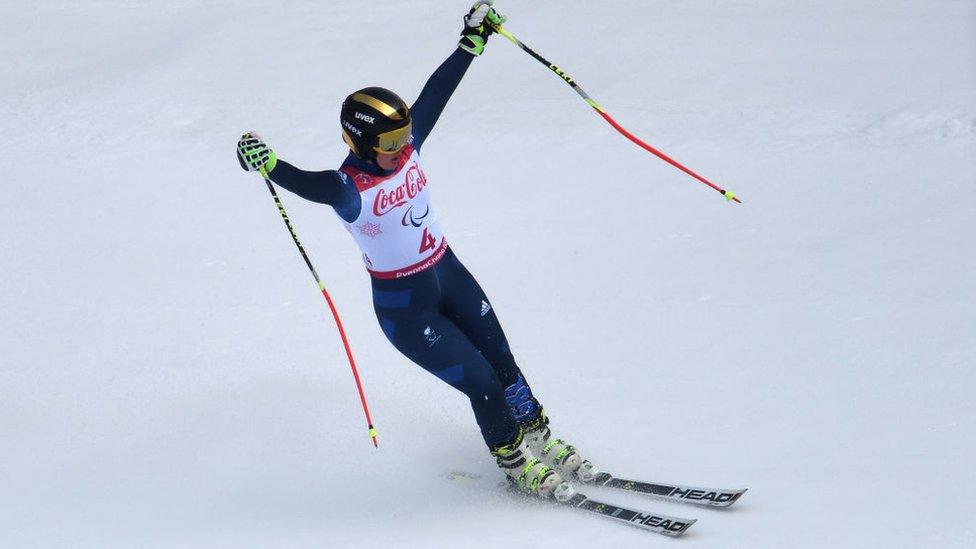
(335, 313)
(729, 195)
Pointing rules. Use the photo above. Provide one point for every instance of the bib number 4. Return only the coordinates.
(427, 242)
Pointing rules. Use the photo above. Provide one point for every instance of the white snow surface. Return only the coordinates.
(170, 377)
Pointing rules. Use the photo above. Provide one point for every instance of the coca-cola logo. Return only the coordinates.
(388, 200)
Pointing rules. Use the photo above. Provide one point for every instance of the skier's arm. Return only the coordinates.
(325, 187)
(441, 85)
(438, 90)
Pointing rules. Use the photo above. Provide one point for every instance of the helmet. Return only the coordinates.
(375, 120)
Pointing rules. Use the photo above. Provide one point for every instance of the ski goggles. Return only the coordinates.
(393, 141)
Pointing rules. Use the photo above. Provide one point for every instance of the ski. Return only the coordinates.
(711, 497)
(566, 495)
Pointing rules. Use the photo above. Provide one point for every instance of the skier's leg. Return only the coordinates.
(467, 305)
(434, 343)
(405, 310)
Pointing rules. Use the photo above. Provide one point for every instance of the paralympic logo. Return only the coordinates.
(415, 221)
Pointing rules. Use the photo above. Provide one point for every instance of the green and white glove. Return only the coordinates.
(479, 23)
(254, 154)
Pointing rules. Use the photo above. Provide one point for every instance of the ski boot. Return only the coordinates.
(524, 470)
(556, 452)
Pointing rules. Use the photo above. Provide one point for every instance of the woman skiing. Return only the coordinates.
(428, 305)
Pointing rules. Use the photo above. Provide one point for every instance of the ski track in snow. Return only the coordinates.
(170, 378)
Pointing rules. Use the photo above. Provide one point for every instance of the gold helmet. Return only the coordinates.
(375, 120)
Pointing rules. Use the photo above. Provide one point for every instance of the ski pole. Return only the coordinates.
(335, 313)
(729, 195)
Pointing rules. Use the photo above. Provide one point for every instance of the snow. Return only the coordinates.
(169, 376)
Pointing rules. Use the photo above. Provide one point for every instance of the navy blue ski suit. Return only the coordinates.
(439, 318)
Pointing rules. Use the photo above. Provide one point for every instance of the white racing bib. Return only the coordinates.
(397, 228)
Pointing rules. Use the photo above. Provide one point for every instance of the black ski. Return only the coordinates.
(567, 496)
(652, 522)
(711, 497)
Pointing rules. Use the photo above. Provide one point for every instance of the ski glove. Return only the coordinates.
(254, 154)
(479, 23)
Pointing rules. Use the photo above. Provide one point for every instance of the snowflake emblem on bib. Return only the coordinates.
(371, 230)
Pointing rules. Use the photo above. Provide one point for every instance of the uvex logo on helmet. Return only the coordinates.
(352, 128)
(367, 118)
(387, 201)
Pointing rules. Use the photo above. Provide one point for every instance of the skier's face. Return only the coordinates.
(387, 161)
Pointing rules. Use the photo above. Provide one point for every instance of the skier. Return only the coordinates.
(427, 303)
